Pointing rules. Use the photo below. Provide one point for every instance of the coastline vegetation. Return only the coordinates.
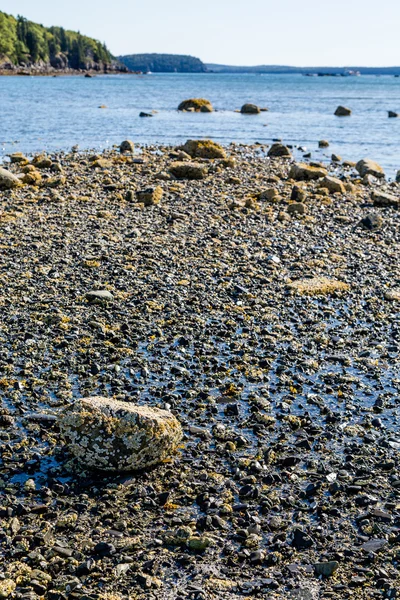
(24, 42)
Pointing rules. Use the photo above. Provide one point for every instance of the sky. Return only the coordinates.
(234, 32)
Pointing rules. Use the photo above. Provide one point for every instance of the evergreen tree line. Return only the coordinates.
(23, 41)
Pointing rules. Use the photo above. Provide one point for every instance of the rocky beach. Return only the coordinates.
(249, 296)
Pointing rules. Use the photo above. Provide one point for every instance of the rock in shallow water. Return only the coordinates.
(110, 435)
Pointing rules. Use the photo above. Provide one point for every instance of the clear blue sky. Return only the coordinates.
(240, 32)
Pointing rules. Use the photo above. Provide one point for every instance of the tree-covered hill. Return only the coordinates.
(163, 63)
(24, 43)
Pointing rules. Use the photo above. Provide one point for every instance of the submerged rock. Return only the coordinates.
(203, 149)
(8, 180)
(196, 105)
(110, 435)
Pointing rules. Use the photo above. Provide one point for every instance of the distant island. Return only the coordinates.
(281, 69)
(29, 48)
(163, 63)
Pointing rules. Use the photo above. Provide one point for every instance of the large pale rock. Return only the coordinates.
(369, 167)
(304, 172)
(8, 180)
(196, 105)
(186, 170)
(7, 586)
(110, 435)
(203, 149)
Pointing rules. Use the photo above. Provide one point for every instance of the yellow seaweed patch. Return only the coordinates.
(318, 286)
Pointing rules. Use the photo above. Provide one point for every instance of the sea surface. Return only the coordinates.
(56, 113)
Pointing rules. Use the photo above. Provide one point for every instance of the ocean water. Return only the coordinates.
(46, 113)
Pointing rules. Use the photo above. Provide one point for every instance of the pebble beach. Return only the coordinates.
(254, 297)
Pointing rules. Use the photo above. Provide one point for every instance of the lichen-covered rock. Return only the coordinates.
(150, 196)
(126, 146)
(18, 158)
(333, 184)
(203, 149)
(367, 166)
(32, 177)
(279, 150)
(250, 109)
(8, 180)
(304, 172)
(383, 199)
(110, 435)
(187, 170)
(7, 586)
(196, 105)
(42, 162)
(342, 111)
(318, 286)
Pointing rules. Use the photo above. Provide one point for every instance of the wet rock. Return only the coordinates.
(145, 115)
(369, 167)
(279, 150)
(111, 435)
(342, 111)
(196, 105)
(326, 569)
(336, 158)
(323, 144)
(383, 199)
(8, 180)
(150, 196)
(301, 540)
(372, 222)
(392, 114)
(127, 146)
(250, 109)
(185, 170)
(304, 172)
(203, 149)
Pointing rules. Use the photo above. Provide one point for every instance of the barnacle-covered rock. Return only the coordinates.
(110, 435)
